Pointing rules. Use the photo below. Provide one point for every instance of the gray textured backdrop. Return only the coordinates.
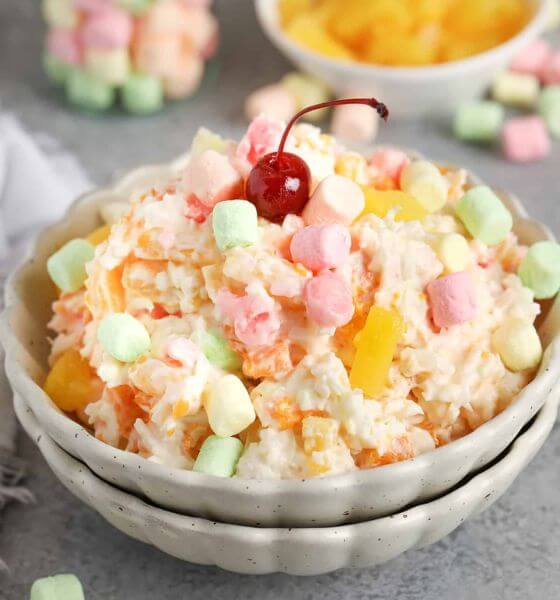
(512, 551)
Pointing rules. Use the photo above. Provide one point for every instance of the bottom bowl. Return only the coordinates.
(297, 551)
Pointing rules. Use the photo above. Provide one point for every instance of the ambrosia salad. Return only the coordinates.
(391, 314)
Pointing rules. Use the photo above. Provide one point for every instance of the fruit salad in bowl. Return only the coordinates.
(339, 317)
(281, 308)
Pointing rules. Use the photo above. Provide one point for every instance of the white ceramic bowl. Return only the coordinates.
(353, 497)
(407, 91)
(294, 551)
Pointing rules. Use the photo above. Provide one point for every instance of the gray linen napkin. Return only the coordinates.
(38, 180)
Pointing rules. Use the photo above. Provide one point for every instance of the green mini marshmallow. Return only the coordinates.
(234, 223)
(204, 139)
(123, 337)
(218, 351)
(479, 122)
(484, 215)
(56, 70)
(307, 90)
(218, 456)
(89, 93)
(540, 269)
(67, 266)
(58, 587)
(142, 94)
(136, 7)
(549, 109)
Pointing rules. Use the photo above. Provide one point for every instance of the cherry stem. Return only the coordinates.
(381, 109)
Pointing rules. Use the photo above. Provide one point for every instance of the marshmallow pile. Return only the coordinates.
(532, 83)
(138, 52)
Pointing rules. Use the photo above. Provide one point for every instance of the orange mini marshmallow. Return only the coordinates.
(355, 122)
(160, 54)
(186, 80)
(273, 101)
(211, 178)
(336, 199)
(170, 17)
(202, 30)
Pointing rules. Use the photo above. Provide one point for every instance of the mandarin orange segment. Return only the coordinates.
(71, 383)
(99, 235)
(375, 348)
(308, 32)
(380, 203)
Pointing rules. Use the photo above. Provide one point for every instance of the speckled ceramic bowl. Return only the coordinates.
(349, 498)
(308, 551)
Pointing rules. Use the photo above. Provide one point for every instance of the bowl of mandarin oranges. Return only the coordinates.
(423, 57)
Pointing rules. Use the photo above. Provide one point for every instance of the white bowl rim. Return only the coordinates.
(254, 487)
(545, 418)
(439, 71)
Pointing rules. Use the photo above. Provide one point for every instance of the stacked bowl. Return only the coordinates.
(300, 527)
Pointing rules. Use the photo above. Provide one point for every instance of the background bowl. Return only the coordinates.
(293, 551)
(408, 91)
(348, 498)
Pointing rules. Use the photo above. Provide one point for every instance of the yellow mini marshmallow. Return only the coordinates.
(228, 406)
(516, 89)
(518, 344)
(454, 252)
(422, 180)
(60, 13)
(110, 66)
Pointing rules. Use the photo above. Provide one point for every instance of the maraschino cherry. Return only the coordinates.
(279, 184)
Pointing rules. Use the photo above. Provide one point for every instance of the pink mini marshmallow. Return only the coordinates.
(550, 73)
(107, 29)
(255, 318)
(452, 299)
(91, 6)
(532, 58)
(211, 178)
(64, 44)
(273, 101)
(336, 199)
(328, 300)
(320, 247)
(525, 139)
(262, 137)
(389, 162)
(184, 351)
(355, 122)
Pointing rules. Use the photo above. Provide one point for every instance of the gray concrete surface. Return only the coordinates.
(510, 552)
